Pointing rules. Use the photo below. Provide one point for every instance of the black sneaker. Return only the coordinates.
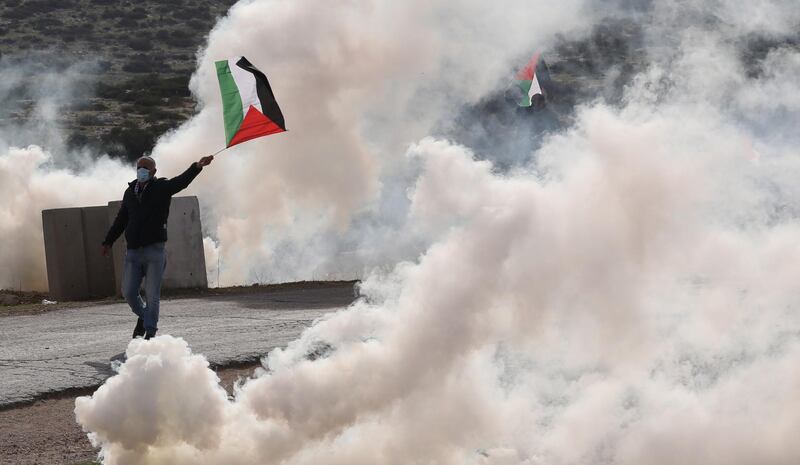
(151, 333)
(138, 331)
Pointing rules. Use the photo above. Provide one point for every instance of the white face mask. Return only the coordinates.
(142, 174)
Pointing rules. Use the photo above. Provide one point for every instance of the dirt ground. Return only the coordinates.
(30, 302)
(45, 432)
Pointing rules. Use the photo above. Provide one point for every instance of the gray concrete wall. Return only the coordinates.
(118, 249)
(76, 270)
(186, 260)
(186, 263)
(99, 269)
(65, 251)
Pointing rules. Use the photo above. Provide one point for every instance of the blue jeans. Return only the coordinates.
(148, 261)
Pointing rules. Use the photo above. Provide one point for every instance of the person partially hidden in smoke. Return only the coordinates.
(143, 216)
(545, 120)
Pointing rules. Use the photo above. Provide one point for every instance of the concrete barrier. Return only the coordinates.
(77, 271)
(186, 262)
(186, 259)
(99, 269)
(64, 248)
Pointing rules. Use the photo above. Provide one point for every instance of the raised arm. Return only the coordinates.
(182, 181)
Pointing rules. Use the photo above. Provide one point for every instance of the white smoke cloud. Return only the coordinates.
(37, 171)
(357, 84)
(629, 297)
(593, 315)
(29, 183)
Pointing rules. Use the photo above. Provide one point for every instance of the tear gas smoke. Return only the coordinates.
(30, 182)
(357, 85)
(36, 169)
(627, 297)
(366, 81)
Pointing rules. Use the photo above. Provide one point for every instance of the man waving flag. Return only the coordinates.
(248, 104)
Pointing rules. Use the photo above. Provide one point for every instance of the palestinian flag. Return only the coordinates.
(530, 79)
(248, 104)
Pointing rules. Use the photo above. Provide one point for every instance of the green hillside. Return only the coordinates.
(144, 51)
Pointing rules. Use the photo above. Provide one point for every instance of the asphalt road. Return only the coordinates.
(72, 348)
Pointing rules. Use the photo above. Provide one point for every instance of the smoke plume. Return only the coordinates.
(357, 85)
(37, 170)
(628, 296)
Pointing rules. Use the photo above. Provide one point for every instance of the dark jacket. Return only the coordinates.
(145, 220)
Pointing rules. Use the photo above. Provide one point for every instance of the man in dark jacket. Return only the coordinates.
(143, 216)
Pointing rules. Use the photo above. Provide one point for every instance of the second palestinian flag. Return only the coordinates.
(248, 104)
(530, 79)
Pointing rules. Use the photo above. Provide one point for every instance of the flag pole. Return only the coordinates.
(218, 151)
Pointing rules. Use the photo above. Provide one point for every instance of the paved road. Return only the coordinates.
(71, 348)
